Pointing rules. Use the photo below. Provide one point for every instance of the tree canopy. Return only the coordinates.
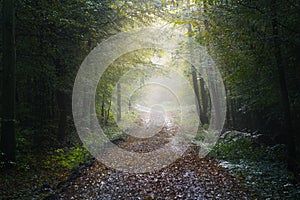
(254, 44)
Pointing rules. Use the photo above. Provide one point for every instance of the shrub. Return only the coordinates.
(65, 159)
(262, 167)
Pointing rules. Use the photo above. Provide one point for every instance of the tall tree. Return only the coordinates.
(289, 135)
(194, 73)
(8, 139)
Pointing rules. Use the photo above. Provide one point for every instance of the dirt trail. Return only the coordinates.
(189, 177)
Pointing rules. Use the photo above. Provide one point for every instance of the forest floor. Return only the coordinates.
(189, 177)
(234, 169)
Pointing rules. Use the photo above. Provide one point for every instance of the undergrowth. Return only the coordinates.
(262, 167)
(62, 160)
(36, 172)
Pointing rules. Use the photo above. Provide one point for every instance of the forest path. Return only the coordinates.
(189, 177)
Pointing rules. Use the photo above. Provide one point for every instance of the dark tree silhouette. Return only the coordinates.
(8, 140)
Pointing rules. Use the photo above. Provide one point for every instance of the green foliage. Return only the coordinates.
(261, 167)
(114, 133)
(25, 156)
(239, 149)
(53, 37)
(267, 179)
(62, 160)
(239, 37)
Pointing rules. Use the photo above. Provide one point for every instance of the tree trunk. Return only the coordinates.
(197, 95)
(288, 129)
(107, 113)
(231, 108)
(8, 138)
(102, 108)
(194, 74)
(204, 99)
(118, 102)
(62, 107)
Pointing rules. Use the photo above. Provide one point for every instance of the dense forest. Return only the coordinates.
(255, 46)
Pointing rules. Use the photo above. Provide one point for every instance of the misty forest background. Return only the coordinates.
(255, 44)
